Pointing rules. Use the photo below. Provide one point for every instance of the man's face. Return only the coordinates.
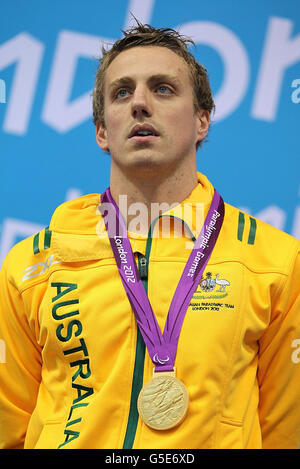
(150, 122)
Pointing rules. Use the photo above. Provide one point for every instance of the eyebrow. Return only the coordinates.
(161, 77)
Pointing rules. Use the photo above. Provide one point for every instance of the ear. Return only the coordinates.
(202, 124)
(101, 136)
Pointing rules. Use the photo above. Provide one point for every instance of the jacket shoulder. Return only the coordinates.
(258, 244)
(28, 262)
(29, 258)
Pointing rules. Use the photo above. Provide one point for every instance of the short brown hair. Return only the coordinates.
(146, 35)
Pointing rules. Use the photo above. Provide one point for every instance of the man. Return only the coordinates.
(127, 332)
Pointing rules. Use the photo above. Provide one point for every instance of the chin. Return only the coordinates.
(148, 168)
(144, 159)
(144, 162)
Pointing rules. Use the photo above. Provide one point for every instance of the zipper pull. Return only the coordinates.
(143, 268)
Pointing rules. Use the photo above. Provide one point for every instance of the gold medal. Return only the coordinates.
(163, 401)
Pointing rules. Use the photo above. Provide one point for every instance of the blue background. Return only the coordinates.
(251, 160)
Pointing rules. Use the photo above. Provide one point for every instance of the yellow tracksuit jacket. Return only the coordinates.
(73, 361)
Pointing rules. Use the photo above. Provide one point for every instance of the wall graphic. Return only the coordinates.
(48, 151)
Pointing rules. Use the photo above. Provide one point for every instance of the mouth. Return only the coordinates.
(143, 133)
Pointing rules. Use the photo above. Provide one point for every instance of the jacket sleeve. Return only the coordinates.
(20, 366)
(279, 366)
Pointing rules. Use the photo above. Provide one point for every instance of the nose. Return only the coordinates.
(141, 102)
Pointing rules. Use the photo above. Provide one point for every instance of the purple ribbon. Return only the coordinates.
(162, 348)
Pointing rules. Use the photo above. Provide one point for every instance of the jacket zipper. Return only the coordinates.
(138, 372)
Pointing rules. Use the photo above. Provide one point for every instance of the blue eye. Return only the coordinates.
(165, 88)
(121, 93)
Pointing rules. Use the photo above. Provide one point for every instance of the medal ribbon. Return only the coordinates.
(162, 348)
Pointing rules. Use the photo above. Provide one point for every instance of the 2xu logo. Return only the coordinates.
(39, 268)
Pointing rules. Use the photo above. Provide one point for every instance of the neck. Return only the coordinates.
(141, 199)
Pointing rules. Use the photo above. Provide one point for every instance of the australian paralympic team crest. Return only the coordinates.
(217, 284)
(212, 288)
